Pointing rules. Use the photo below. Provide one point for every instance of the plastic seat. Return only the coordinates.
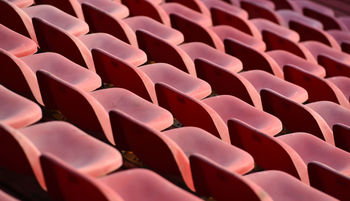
(74, 7)
(147, 8)
(20, 20)
(197, 5)
(225, 14)
(150, 25)
(17, 111)
(102, 21)
(346, 21)
(19, 74)
(308, 28)
(227, 32)
(343, 39)
(168, 152)
(16, 43)
(263, 80)
(335, 62)
(313, 84)
(81, 151)
(284, 58)
(90, 110)
(296, 117)
(22, 3)
(343, 84)
(260, 9)
(133, 184)
(285, 5)
(5, 197)
(193, 25)
(278, 37)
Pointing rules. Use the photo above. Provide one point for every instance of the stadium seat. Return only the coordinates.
(6, 197)
(342, 83)
(22, 3)
(260, 9)
(343, 39)
(196, 5)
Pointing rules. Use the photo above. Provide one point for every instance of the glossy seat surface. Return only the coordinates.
(343, 83)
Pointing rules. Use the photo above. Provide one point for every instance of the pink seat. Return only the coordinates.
(285, 5)
(193, 25)
(147, 8)
(168, 152)
(22, 3)
(228, 107)
(278, 37)
(226, 32)
(152, 26)
(19, 74)
(284, 58)
(296, 117)
(263, 80)
(346, 21)
(135, 184)
(61, 139)
(343, 39)
(313, 84)
(16, 43)
(196, 5)
(90, 110)
(17, 111)
(102, 21)
(5, 197)
(335, 62)
(308, 28)
(261, 9)
(343, 83)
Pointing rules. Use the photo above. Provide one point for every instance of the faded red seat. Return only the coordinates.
(150, 25)
(263, 80)
(17, 111)
(308, 28)
(89, 110)
(343, 39)
(133, 184)
(284, 58)
(346, 21)
(102, 21)
(147, 8)
(193, 25)
(225, 14)
(285, 5)
(278, 37)
(5, 197)
(82, 152)
(74, 7)
(261, 9)
(210, 179)
(296, 117)
(22, 3)
(313, 84)
(343, 83)
(16, 43)
(174, 147)
(335, 62)
(196, 5)
(19, 73)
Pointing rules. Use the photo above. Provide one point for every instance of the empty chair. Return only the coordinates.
(285, 5)
(5, 197)
(210, 179)
(17, 111)
(343, 83)
(336, 117)
(133, 184)
(81, 151)
(346, 21)
(335, 62)
(284, 58)
(168, 152)
(22, 3)
(257, 9)
(19, 73)
(308, 28)
(196, 5)
(296, 117)
(278, 37)
(313, 84)
(79, 49)
(193, 25)
(20, 20)
(89, 110)
(147, 8)
(74, 7)
(16, 43)
(141, 80)
(263, 80)
(225, 14)
(343, 38)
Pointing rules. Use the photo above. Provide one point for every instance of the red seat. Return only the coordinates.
(16, 43)
(343, 84)
(81, 151)
(17, 111)
(296, 117)
(263, 80)
(284, 58)
(193, 25)
(5, 197)
(335, 62)
(261, 9)
(346, 21)
(196, 5)
(285, 5)
(22, 3)
(135, 184)
(313, 84)
(343, 39)
(89, 110)
(308, 28)
(168, 152)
